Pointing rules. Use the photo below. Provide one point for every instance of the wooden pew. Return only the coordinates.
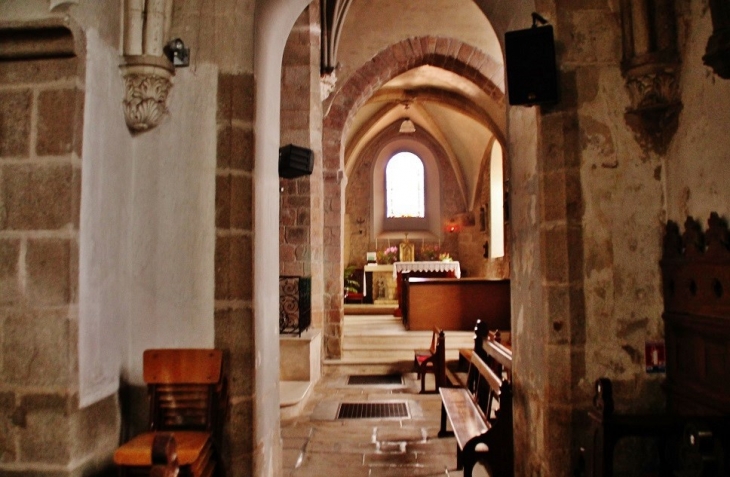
(480, 417)
(432, 360)
(457, 374)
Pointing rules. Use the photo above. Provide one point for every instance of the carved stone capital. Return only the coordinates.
(327, 82)
(147, 83)
(655, 104)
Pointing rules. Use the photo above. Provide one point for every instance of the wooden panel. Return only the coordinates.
(696, 279)
(697, 366)
(199, 366)
(456, 304)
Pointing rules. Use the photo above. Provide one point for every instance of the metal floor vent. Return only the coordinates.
(375, 379)
(372, 410)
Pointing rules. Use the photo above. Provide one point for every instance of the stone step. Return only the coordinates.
(293, 396)
(349, 366)
(386, 355)
(403, 341)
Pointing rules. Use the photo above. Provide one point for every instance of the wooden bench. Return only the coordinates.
(480, 417)
(432, 360)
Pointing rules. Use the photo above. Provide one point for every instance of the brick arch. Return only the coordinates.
(446, 53)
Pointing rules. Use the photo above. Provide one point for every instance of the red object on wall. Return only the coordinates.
(655, 357)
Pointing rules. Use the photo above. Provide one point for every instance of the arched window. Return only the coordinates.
(406, 192)
(404, 186)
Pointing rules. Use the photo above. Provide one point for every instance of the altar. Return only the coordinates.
(431, 269)
(379, 284)
(427, 268)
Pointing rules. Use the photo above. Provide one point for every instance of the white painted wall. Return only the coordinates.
(105, 217)
(171, 238)
(496, 202)
(147, 225)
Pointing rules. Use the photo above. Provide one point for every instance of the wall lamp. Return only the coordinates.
(177, 53)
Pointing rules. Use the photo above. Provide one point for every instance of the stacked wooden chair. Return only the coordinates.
(187, 394)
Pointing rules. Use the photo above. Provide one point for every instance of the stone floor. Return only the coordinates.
(315, 444)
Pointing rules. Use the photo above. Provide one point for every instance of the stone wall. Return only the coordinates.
(42, 429)
(300, 208)
(359, 200)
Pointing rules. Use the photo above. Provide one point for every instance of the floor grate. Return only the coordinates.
(372, 410)
(375, 379)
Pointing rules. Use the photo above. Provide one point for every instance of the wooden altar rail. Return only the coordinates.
(457, 304)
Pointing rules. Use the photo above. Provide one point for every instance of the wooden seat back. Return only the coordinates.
(435, 339)
(186, 388)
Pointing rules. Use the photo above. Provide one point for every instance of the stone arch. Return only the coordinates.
(447, 53)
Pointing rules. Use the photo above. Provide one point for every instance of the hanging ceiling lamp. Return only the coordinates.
(407, 126)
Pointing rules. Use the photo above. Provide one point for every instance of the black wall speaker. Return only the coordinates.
(295, 161)
(531, 73)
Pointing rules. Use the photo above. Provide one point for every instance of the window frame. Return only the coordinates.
(405, 155)
(427, 227)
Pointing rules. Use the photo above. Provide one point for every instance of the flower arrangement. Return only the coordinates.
(388, 256)
(428, 253)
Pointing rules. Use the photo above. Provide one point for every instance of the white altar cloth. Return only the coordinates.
(439, 266)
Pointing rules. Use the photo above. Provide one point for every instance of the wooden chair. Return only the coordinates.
(187, 395)
(432, 360)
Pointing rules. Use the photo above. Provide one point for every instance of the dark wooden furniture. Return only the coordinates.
(608, 427)
(401, 283)
(457, 374)
(696, 280)
(187, 396)
(457, 304)
(480, 417)
(432, 360)
(696, 283)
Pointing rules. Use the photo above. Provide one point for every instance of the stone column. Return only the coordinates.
(42, 429)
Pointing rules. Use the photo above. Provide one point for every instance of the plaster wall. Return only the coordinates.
(147, 234)
(395, 21)
(104, 297)
(171, 240)
(698, 162)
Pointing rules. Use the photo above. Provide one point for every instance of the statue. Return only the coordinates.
(381, 289)
(407, 251)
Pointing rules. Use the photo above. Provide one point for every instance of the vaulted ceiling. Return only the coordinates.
(451, 108)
